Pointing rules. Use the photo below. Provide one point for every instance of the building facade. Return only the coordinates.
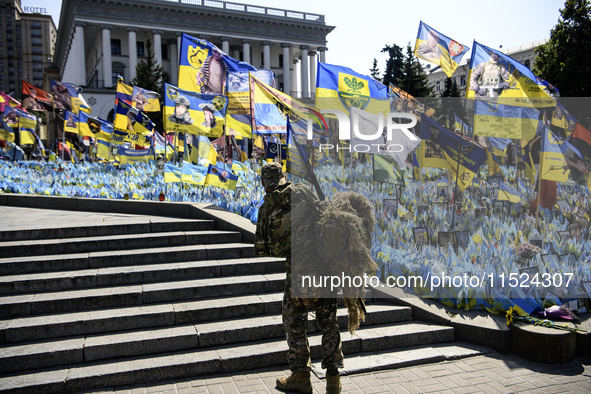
(100, 40)
(27, 46)
(524, 54)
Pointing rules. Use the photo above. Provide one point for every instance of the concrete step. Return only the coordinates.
(34, 355)
(98, 277)
(195, 362)
(115, 242)
(81, 261)
(140, 294)
(164, 224)
(70, 324)
(414, 355)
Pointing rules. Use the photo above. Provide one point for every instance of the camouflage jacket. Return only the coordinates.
(273, 232)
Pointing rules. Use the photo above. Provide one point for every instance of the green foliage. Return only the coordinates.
(565, 60)
(149, 75)
(354, 85)
(405, 72)
(394, 73)
(375, 71)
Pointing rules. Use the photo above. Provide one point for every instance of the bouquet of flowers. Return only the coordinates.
(527, 251)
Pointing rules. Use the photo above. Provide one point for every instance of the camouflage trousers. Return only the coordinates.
(295, 322)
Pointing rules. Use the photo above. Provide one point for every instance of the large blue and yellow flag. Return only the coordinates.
(193, 174)
(238, 116)
(496, 76)
(493, 119)
(193, 113)
(70, 122)
(443, 145)
(507, 193)
(221, 177)
(434, 47)
(172, 173)
(203, 67)
(270, 109)
(94, 127)
(339, 88)
(558, 157)
(67, 96)
(133, 156)
(27, 124)
(132, 119)
(124, 92)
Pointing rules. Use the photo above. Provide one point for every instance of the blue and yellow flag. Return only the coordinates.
(202, 152)
(526, 157)
(496, 76)
(193, 174)
(238, 116)
(172, 173)
(492, 119)
(27, 125)
(416, 168)
(103, 150)
(94, 127)
(67, 96)
(434, 47)
(133, 156)
(203, 67)
(70, 122)
(124, 92)
(507, 193)
(557, 157)
(193, 113)
(563, 119)
(340, 87)
(401, 101)
(461, 127)
(271, 108)
(132, 119)
(119, 137)
(145, 100)
(443, 144)
(221, 177)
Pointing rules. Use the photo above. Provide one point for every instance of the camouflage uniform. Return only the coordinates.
(273, 238)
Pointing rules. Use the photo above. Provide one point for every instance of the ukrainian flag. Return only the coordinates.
(505, 121)
(149, 99)
(563, 119)
(506, 80)
(199, 60)
(340, 87)
(439, 49)
(27, 124)
(194, 120)
(507, 193)
(124, 92)
(203, 152)
(103, 149)
(221, 177)
(193, 174)
(553, 157)
(238, 115)
(134, 156)
(70, 122)
(416, 168)
(470, 156)
(94, 127)
(172, 173)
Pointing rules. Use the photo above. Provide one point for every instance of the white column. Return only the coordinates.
(174, 64)
(304, 66)
(132, 39)
(246, 50)
(322, 51)
(312, 74)
(81, 53)
(226, 45)
(179, 37)
(107, 65)
(157, 46)
(296, 82)
(286, 68)
(266, 55)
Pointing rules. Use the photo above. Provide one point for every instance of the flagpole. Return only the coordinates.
(453, 215)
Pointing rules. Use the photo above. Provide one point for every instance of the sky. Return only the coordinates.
(362, 31)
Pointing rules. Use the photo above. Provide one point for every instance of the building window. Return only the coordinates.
(116, 76)
(11, 87)
(11, 70)
(38, 75)
(164, 48)
(8, 27)
(37, 59)
(115, 47)
(140, 48)
(437, 86)
(527, 63)
(280, 60)
(37, 67)
(11, 78)
(462, 80)
(39, 84)
(9, 44)
(37, 51)
(19, 54)
(8, 20)
(36, 33)
(19, 44)
(10, 53)
(36, 41)
(18, 27)
(36, 24)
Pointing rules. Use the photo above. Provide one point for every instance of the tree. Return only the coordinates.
(394, 73)
(565, 60)
(451, 88)
(450, 105)
(417, 83)
(149, 75)
(375, 71)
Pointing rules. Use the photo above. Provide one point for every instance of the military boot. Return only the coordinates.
(333, 384)
(297, 381)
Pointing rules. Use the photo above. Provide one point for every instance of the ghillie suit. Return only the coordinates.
(337, 243)
(212, 75)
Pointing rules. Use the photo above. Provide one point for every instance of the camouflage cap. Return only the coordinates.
(272, 174)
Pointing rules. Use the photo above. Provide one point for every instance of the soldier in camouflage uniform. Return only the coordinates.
(273, 238)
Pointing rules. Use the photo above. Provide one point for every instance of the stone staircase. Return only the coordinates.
(88, 307)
